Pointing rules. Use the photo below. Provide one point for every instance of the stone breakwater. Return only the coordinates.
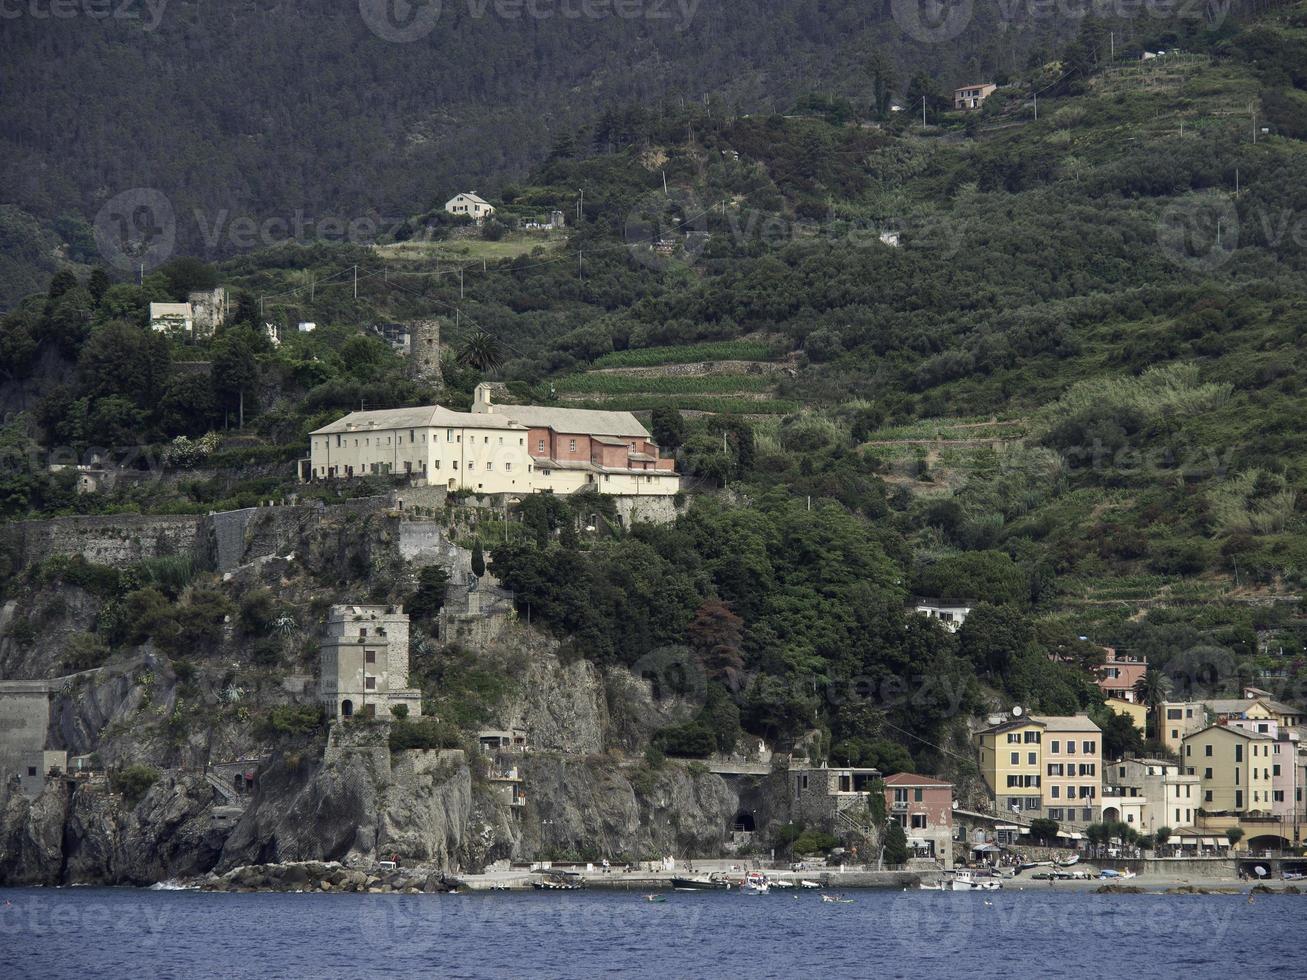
(327, 876)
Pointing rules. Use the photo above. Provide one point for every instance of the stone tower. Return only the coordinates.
(424, 351)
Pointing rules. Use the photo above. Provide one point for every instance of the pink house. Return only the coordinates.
(923, 807)
(1119, 675)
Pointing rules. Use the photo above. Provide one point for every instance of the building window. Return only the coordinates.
(369, 683)
(571, 445)
(1013, 738)
(508, 467)
(1032, 759)
(1055, 747)
(916, 795)
(370, 657)
(31, 770)
(1055, 792)
(1016, 758)
(1207, 774)
(1088, 748)
(490, 467)
(918, 821)
(540, 446)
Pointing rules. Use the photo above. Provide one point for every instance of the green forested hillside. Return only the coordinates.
(1052, 364)
(315, 112)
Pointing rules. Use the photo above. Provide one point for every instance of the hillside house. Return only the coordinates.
(495, 449)
(972, 96)
(951, 612)
(470, 205)
(1119, 675)
(175, 318)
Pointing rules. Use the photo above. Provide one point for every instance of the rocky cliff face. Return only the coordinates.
(90, 835)
(588, 790)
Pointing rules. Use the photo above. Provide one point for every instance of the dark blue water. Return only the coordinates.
(87, 933)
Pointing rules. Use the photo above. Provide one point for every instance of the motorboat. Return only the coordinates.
(836, 900)
(755, 883)
(781, 883)
(700, 883)
(966, 880)
(805, 883)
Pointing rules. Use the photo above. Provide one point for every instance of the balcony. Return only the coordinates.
(899, 806)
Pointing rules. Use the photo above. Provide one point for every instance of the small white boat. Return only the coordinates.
(805, 883)
(938, 886)
(755, 883)
(781, 883)
(975, 881)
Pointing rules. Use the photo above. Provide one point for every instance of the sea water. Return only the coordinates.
(87, 932)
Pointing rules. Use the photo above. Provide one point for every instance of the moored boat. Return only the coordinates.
(700, 883)
(975, 881)
(755, 883)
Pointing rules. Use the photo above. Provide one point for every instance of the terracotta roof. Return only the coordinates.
(908, 779)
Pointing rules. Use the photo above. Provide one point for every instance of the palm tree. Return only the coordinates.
(482, 352)
(1152, 689)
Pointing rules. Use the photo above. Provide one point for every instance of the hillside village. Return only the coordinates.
(743, 509)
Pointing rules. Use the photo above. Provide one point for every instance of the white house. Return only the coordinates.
(171, 318)
(471, 206)
(951, 612)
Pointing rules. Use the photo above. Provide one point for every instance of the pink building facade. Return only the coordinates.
(923, 807)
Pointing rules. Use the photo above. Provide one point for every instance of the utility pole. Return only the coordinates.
(460, 282)
(923, 112)
(356, 281)
(665, 191)
(313, 289)
(1036, 107)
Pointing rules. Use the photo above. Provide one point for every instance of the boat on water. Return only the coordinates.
(755, 883)
(559, 881)
(781, 883)
(938, 886)
(805, 883)
(656, 899)
(975, 881)
(836, 900)
(701, 883)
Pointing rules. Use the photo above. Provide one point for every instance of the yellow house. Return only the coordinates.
(1137, 713)
(1179, 719)
(1234, 767)
(1011, 764)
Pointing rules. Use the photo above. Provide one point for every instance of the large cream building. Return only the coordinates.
(496, 449)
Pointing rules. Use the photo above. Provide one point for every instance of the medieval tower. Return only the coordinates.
(424, 351)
